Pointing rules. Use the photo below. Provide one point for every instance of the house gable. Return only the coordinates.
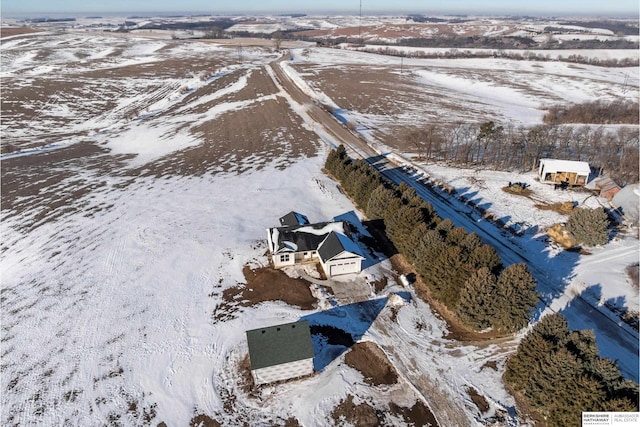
(335, 245)
(293, 218)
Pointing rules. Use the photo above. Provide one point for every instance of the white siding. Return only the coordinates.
(350, 264)
(283, 260)
(283, 371)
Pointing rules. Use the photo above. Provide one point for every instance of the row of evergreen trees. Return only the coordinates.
(560, 374)
(466, 275)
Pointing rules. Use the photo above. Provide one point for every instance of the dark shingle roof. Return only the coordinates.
(335, 244)
(293, 219)
(303, 238)
(279, 344)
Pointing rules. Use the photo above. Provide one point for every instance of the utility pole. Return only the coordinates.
(401, 63)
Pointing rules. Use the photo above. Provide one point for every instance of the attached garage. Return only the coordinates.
(339, 255)
(346, 267)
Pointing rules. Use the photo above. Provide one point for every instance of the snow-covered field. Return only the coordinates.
(386, 95)
(119, 239)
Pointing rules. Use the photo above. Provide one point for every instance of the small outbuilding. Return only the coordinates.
(567, 172)
(607, 187)
(280, 352)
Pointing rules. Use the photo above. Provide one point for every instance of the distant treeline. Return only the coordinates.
(617, 27)
(516, 54)
(600, 112)
(560, 374)
(520, 148)
(427, 19)
(515, 42)
(459, 270)
(222, 23)
(41, 20)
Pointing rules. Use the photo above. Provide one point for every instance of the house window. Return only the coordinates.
(284, 258)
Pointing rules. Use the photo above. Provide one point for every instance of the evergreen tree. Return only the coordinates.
(515, 298)
(444, 227)
(485, 256)
(561, 374)
(380, 198)
(456, 235)
(401, 225)
(475, 307)
(589, 226)
(448, 276)
(470, 243)
(430, 246)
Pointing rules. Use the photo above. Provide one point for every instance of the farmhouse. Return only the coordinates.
(568, 172)
(280, 352)
(327, 243)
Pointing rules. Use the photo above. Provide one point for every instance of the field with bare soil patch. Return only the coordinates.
(138, 178)
(16, 31)
(387, 95)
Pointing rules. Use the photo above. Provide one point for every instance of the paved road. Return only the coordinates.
(615, 339)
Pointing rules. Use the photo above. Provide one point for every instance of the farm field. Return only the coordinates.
(138, 178)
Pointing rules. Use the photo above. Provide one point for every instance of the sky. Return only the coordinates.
(537, 7)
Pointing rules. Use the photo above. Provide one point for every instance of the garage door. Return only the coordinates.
(343, 268)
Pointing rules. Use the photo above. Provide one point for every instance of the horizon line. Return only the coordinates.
(152, 14)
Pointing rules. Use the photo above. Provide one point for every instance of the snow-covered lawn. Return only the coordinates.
(107, 306)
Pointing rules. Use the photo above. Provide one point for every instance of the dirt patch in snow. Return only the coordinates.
(349, 413)
(201, 421)
(363, 414)
(478, 399)
(265, 284)
(367, 358)
(417, 415)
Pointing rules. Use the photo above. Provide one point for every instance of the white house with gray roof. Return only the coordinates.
(327, 243)
(280, 352)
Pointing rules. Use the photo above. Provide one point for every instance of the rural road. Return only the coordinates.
(615, 339)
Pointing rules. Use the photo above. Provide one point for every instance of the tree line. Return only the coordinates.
(561, 374)
(520, 148)
(460, 271)
(602, 112)
(518, 55)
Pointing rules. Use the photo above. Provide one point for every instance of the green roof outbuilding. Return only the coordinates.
(279, 344)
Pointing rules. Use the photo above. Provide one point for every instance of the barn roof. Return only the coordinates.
(279, 344)
(555, 165)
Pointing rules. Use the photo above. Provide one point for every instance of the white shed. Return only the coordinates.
(571, 172)
(280, 352)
